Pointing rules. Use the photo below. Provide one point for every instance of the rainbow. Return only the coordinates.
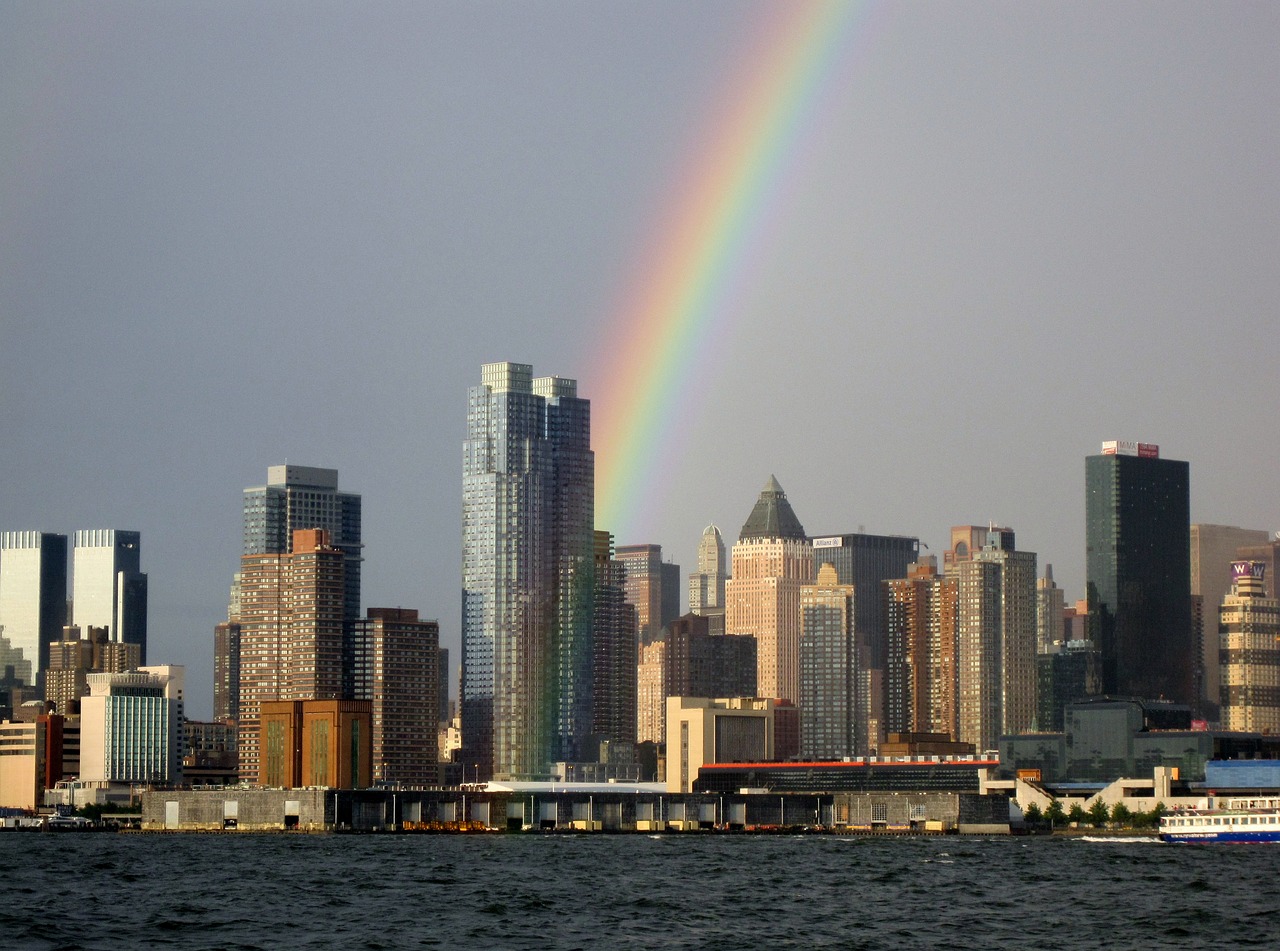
(695, 271)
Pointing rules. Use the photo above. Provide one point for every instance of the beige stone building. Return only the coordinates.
(651, 693)
(771, 562)
(703, 731)
(1249, 628)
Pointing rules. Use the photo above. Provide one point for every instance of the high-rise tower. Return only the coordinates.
(771, 562)
(33, 601)
(291, 633)
(706, 585)
(1138, 571)
(108, 587)
(527, 572)
(300, 497)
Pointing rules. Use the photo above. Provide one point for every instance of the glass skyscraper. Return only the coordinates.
(527, 573)
(33, 601)
(1138, 571)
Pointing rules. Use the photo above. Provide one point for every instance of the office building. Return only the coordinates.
(291, 632)
(1138, 571)
(1214, 548)
(706, 585)
(702, 664)
(393, 666)
(705, 731)
(652, 587)
(300, 497)
(613, 715)
(1051, 606)
(865, 561)
(226, 671)
(828, 702)
(1018, 620)
(33, 602)
(1071, 673)
(979, 660)
(109, 588)
(131, 728)
(1249, 625)
(771, 561)
(921, 678)
(651, 693)
(528, 559)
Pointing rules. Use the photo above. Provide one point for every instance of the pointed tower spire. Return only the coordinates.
(772, 516)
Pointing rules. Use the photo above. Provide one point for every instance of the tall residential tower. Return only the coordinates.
(528, 485)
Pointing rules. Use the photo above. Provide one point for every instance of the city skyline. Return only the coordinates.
(302, 250)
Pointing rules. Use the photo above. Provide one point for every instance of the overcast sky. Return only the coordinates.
(236, 234)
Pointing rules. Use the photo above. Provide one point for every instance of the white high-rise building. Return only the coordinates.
(131, 727)
(109, 588)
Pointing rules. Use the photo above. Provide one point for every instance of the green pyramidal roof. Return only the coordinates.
(772, 517)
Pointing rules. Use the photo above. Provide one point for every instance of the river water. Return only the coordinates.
(106, 891)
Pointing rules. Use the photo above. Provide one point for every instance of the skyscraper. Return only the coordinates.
(108, 587)
(1250, 665)
(615, 645)
(866, 561)
(706, 585)
(298, 497)
(772, 560)
(828, 669)
(1214, 549)
(528, 538)
(979, 667)
(33, 601)
(921, 677)
(393, 659)
(1051, 608)
(1018, 618)
(652, 586)
(1138, 571)
(291, 633)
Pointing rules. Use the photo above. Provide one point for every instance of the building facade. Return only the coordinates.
(131, 728)
(528, 565)
(1018, 622)
(109, 588)
(393, 658)
(829, 670)
(772, 560)
(1249, 639)
(706, 585)
(1214, 549)
(615, 646)
(291, 632)
(33, 602)
(301, 497)
(921, 685)
(1138, 571)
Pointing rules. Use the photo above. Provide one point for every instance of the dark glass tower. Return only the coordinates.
(1138, 565)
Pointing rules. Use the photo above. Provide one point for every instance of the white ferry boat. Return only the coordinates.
(1234, 820)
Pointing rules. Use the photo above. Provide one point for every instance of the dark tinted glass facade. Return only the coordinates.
(1138, 564)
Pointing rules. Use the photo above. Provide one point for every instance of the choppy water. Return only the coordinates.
(103, 891)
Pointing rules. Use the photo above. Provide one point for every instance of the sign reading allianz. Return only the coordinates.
(1126, 447)
(836, 541)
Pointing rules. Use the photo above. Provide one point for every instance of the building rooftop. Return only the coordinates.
(772, 516)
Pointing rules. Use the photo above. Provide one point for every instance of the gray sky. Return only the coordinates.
(236, 234)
